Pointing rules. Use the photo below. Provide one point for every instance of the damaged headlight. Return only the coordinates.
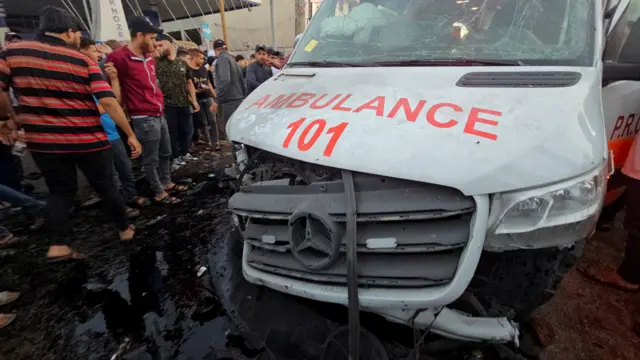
(240, 156)
(568, 202)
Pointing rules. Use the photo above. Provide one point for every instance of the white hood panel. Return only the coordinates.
(529, 136)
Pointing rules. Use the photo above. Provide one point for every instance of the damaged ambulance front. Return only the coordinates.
(475, 136)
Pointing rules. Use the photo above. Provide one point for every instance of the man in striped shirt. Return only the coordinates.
(56, 86)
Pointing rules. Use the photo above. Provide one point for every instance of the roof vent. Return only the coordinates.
(533, 79)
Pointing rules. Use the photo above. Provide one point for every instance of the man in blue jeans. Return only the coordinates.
(27, 203)
(123, 173)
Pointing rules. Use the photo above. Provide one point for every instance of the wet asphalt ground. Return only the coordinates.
(153, 297)
(172, 294)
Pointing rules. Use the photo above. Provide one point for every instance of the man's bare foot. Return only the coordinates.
(59, 253)
(161, 196)
(173, 188)
(128, 234)
(38, 223)
(6, 319)
(7, 297)
(610, 278)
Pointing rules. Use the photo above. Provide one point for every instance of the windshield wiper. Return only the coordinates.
(416, 62)
(325, 63)
(450, 62)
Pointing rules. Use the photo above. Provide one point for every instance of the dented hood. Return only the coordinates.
(415, 123)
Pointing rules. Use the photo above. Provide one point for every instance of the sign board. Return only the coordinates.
(109, 20)
(206, 31)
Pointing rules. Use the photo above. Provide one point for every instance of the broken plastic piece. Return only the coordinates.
(201, 270)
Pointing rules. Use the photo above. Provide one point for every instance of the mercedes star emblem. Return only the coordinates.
(314, 239)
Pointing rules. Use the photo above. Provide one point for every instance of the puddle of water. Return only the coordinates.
(139, 305)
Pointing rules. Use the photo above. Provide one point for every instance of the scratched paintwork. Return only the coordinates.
(543, 134)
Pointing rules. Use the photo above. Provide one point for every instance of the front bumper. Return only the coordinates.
(417, 307)
(418, 245)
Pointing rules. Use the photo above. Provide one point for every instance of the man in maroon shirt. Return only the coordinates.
(143, 98)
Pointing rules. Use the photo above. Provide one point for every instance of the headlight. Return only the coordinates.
(570, 201)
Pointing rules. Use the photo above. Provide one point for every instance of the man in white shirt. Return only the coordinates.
(627, 276)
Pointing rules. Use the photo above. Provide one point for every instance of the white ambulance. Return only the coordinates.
(478, 137)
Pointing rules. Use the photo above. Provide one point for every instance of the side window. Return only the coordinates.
(623, 43)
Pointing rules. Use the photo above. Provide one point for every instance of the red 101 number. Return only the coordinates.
(312, 132)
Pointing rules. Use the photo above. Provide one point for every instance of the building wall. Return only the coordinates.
(247, 27)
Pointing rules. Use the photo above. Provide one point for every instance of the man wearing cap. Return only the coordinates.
(258, 71)
(145, 103)
(229, 82)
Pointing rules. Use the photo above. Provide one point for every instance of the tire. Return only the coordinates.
(515, 283)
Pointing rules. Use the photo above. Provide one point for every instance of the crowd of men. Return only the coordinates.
(79, 103)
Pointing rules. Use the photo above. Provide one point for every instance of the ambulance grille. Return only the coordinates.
(409, 234)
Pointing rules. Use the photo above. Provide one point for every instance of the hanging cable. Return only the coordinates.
(75, 12)
(72, 9)
(352, 265)
(204, 41)
(89, 20)
(139, 8)
(174, 19)
(201, 12)
(132, 8)
(210, 8)
(198, 28)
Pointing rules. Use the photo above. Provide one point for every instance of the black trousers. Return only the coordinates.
(10, 168)
(59, 171)
(228, 108)
(180, 123)
(630, 267)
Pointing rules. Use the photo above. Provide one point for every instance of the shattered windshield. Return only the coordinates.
(531, 32)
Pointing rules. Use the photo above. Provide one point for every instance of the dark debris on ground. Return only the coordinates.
(154, 299)
(127, 293)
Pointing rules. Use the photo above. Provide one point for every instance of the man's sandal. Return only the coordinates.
(7, 297)
(72, 256)
(6, 320)
(132, 213)
(139, 202)
(175, 188)
(8, 240)
(130, 238)
(167, 200)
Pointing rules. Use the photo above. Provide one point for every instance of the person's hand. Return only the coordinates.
(196, 106)
(105, 49)
(136, 148)
(111, 71)
(8, 132)
(214, 108)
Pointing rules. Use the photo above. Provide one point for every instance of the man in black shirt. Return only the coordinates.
(205, 119)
